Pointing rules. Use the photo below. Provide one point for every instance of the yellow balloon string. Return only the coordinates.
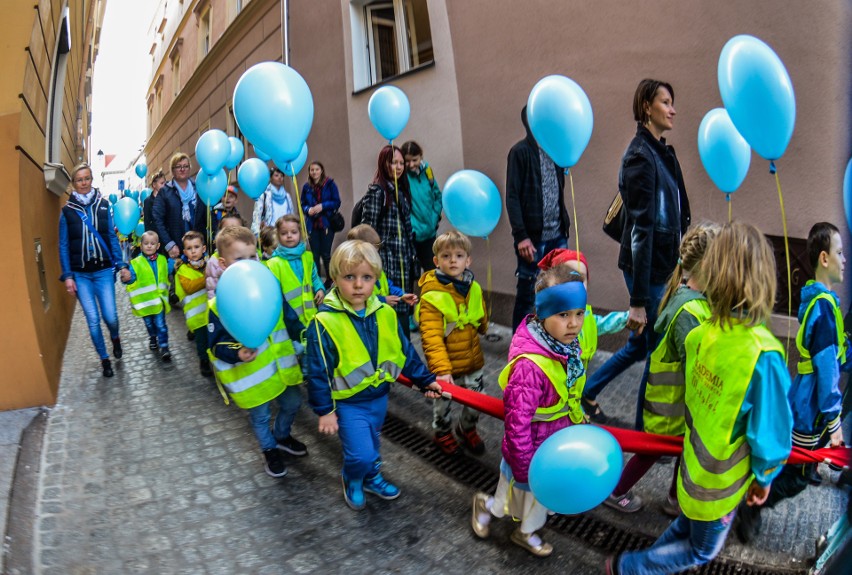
(574, 207)
(307, 285)
(730, 208)
(489, 302)
(209, 228)
(787, 256)
(398, 218)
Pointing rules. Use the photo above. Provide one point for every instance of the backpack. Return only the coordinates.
(358, 211)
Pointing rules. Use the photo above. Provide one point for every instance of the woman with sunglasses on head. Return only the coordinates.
(176, 207)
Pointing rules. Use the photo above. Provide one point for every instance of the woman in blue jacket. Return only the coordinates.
(320, 199)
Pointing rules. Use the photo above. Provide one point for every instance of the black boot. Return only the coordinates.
(152, 343)
(206, 370)
(107, 367)
(116, 348)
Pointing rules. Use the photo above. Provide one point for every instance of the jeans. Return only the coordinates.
(686, 543)
(288, 405)
(526, 273)
(156, 326)
(359, 425)
(94, 290)
(442, 419)
(321, 240)
(637, 348)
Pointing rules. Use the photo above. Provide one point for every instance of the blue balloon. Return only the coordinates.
(249, 302)
(261, 154)
(113, 198)
(847, 193)
(125, 214)
(211, 188)
(140, 229)
(212, 150)
(560, 117)
(575, 469)
(472, 203)
(274, 108)
(389, 111)
(758, 95)
(237, 151)
(253, 177)
(724, 152)
(144, 195)
(293, 167)
(141, 169)
(133, 194)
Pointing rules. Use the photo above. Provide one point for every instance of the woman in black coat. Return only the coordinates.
(176, 206)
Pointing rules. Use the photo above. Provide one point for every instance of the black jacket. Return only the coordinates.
(523, 190)
(651, 185)
(167, 219)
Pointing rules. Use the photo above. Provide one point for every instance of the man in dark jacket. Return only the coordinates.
(536, 207)
(175, 206)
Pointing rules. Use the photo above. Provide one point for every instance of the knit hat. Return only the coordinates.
(559, 256)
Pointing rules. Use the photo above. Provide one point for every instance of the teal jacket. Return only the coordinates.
(425, 202)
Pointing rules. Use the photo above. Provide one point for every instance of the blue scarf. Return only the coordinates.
(187, 200)
(279, 195)
(574, 365)
(294, 256)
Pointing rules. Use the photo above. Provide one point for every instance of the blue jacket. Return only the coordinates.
(320, 366)
(426, 203)
(79, 249)
(225, 347)
(167, 216)
(815, 397)
(330, 202)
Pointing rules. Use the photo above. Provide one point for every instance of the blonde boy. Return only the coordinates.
(189, 287)
(147, 283)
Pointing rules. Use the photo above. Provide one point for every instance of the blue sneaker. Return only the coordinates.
(378, 485)
(353, 494)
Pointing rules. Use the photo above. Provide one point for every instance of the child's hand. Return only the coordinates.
(178, 262)
(392, 300)
(124, 275)
(318, 297)
(245, 354)
(433, 390)
(837, 438)
(447, 378)
(756, 494)
(409, 298)
(328, 423)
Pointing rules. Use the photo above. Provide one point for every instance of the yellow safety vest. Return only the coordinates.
(194, 304)
(569, 397)
(299, 295)
(806, 364)
(588, 339)
(455, 316)
(382, 287)
(663, 408)
(355, 370)
(149, 295)
(716, 469)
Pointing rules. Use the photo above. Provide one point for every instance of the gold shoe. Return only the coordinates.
(522, 539)
(480, 508)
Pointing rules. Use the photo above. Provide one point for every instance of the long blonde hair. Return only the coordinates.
(738, 275)
(693, 246)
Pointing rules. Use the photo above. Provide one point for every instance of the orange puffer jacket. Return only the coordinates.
(459, 353)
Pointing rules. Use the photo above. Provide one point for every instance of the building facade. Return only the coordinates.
(45, 112)
(468, 67)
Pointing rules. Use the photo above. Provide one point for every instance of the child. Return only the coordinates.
(213, 270)
(452, 314)
(190, 289)
(544, 360)
(225, 208)
(738, 422)
(294, 267)
(268, 243)
(682, 309)
(612, 322)
(815, 393)
(355, 349)
(385, 289)
(426, 203)
(254, 378)
(147, 283)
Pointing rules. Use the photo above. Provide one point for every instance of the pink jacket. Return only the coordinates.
(212, 273)
(527, 389)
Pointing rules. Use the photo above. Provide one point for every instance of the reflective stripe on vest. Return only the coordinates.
(147, 295)
(555, 371)
(194, 304)
(456, 316)
(355, 370)
(663, 408)
(716, 469)
(252, 383)
(588, 339)
(806, 364)
(285, 354)
(298, 294)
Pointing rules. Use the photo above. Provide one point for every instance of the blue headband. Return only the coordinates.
(559, 298)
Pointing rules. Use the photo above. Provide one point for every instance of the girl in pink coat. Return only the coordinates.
(544, 357)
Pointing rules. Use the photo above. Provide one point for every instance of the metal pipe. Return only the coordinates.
(285, 30)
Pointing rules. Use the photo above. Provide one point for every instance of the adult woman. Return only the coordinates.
(388, 210)
(657, 208)
(320, 199)
(157, 181)
(89, 255)
(273, 203)
(176, 206)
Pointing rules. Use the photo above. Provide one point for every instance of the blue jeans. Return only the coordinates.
(686, 543)
(288, 405)
(526, 273)
(94, 290)
(359, 424)
(637, 348)
(156, 326)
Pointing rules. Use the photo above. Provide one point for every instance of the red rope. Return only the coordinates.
(637, 441)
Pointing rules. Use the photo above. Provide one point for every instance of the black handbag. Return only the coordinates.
(336, 222)
(614, 221)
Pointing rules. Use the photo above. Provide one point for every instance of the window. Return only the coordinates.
(389, 37)
(158, 104)
(176, 75)
(204, 33)
(57, 90)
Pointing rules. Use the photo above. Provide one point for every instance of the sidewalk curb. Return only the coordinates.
(23, 498)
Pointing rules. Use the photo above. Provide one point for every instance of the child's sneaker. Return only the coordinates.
(116, 348)
(481, 517)
(627, 503)
(470, 440)
(412, 324)
(273, 464)
(152, 343)
(353, 494)
(378, 485)
(165, 354)
(190, 335)
(292, 446)
(447, 443)
(532, 542)
(206, 369)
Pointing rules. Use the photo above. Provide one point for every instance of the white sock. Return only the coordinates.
(534, 539)
(485, 518)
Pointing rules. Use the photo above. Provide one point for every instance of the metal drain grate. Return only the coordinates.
(596, 533)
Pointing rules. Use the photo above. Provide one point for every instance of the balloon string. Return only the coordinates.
(730, 209)
(574, 207)
(489, 303)
(398, 218)
(774, 170)
(209, 227)
(302, 225)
